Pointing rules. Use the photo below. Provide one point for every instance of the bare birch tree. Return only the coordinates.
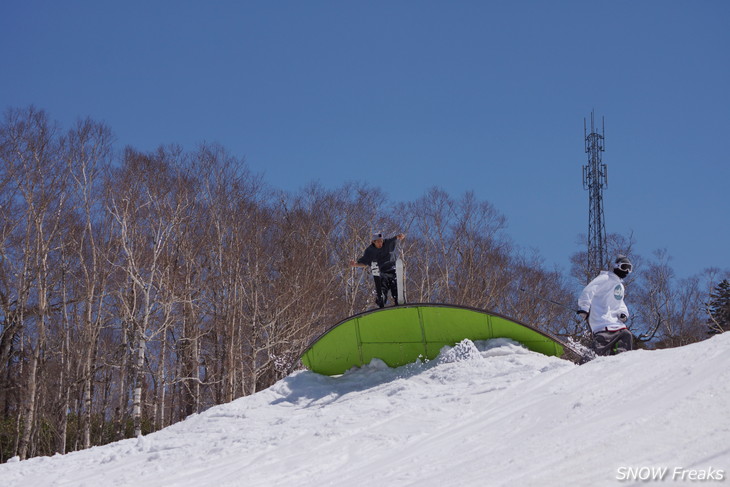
(34, 151)
(147, 213)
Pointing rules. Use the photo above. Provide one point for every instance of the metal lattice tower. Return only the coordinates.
(595, 178)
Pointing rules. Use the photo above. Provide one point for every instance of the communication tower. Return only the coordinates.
(595, 178)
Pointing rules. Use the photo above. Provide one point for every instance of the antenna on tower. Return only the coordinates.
(595, 178)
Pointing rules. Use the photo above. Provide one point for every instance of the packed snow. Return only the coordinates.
(481, 414)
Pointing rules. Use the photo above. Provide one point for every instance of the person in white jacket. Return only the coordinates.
(602, 304)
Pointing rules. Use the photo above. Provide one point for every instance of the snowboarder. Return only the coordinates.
(602, 304)
(380, 257)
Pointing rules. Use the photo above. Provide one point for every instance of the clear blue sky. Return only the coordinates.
(488, 96)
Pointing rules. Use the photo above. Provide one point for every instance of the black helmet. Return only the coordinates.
(623, 264)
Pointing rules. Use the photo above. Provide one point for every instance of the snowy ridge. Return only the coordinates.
(482, 414)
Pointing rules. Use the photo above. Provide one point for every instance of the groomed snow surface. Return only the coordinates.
(484, 414)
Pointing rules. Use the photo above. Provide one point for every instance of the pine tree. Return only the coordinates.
(719, 308)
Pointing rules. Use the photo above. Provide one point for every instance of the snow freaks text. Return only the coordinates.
(659, 474)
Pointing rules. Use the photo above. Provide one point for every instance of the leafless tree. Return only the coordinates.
(32, 154)
(668, 308)
(149, 210)
(87, 158)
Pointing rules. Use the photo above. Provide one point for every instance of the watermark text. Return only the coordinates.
(660, 474)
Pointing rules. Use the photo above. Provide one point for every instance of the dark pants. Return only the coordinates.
(384, 283)
(613, 342)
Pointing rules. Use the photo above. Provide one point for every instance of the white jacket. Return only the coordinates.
(603, 298)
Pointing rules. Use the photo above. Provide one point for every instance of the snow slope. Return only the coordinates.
(497, 415)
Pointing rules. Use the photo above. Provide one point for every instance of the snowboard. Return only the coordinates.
(400, 281)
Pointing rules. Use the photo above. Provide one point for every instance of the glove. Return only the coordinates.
(582, 314)
(623, 318)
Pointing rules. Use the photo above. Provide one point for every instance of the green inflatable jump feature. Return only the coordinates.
(402, 334)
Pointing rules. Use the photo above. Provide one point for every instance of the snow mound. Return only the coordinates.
(538, 420)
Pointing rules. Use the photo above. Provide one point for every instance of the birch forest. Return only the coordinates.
(137, 288)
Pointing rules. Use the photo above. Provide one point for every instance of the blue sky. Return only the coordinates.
(483, 96)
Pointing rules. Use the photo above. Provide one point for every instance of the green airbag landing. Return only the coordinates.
(400, 335)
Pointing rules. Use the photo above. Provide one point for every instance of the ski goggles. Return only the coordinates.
(625, 266)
